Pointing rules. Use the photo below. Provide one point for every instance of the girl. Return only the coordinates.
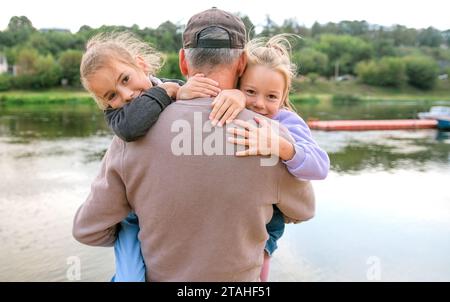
(265, 88)
(118, 70)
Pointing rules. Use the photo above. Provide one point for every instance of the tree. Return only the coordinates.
(422, 72)
(36, 71)
(388, 71)
(69, 62)
(60, 41)
(26, 61)
(270, 28)
(430, 37)
(334, 46)
(6, 39)
(316, 29)
(19, 29)
(310, 60)
(291, 26)
(344, 50)
(168, 37)
(353, 28)
(48, 73)
(20, 23)
(249, 26)
(330, 28)
(446, 37)
(39, 42)
(11, 54)
(403, 36)
(384, 47)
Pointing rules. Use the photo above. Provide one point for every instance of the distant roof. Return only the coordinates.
(65, 30)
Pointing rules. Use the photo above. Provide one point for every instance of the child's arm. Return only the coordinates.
(226, 106)
(198, 86)
(303, 158)
(309, 161)
(135, 118)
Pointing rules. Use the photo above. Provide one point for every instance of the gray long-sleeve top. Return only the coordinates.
(135, 118)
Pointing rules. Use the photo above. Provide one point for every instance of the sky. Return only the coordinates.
(72, 14)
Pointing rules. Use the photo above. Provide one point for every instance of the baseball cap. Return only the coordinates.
(214, 17)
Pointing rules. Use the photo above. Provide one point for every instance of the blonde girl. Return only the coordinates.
(118, 69)
(264, 88)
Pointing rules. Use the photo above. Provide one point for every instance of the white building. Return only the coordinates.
(3, 64)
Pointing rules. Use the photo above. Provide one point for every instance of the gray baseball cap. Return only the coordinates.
(214, 17)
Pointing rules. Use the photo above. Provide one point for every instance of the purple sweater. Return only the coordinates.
(310, 161)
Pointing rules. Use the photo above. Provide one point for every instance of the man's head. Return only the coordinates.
(213, 42)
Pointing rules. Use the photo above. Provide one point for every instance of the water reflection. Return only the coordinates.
(443, 136)
(55, 121)
(349, 152)
(387, 150)
(329, 110)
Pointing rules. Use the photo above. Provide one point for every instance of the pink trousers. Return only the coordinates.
(265, 268)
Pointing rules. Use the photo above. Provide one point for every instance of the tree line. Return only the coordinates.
(376, 55)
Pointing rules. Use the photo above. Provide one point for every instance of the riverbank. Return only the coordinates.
(327, 90)
(53, 96)
(303, 92)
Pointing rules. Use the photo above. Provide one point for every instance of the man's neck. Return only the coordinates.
(226, 78)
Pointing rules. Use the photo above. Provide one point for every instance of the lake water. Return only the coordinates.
(382, 214)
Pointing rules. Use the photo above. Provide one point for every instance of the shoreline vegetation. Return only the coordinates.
(51, 96)
(303, 92)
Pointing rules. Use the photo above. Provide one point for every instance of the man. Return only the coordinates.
(202, 214)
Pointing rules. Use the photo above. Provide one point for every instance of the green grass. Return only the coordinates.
(54, 96)
(302, 92)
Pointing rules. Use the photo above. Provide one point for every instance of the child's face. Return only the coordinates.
(263, 88)
(119, 83)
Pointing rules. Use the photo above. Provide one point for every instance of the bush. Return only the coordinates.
(23, 81)
(313, 77)
(5, 82)
(48, 72)
(41, 72)
(310, 60)
(344, 50)
(447, 71)
(70, 61)
(422, 72)
(26, 61)
(388, 71)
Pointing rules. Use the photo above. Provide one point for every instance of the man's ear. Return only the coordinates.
(242, 64)
(142, 64)
(182, 62)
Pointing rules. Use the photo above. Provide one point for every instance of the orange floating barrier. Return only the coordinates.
(364, 125)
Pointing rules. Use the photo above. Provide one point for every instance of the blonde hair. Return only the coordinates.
(274, 53)
(104, 49)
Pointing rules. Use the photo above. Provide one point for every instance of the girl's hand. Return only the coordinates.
(262, 140)
(171, 89)
(226, 106)
(198, 86)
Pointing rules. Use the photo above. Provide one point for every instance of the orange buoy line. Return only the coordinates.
(363, 125)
